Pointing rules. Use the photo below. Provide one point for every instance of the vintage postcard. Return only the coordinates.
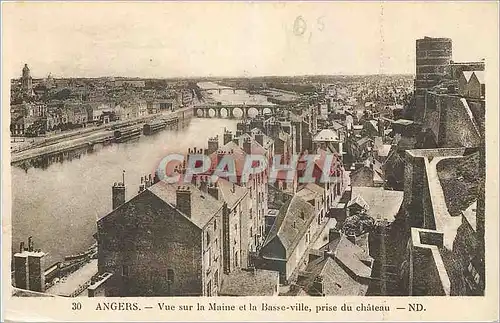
(250, 161)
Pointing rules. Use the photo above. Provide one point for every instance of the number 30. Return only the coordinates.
(76, 306)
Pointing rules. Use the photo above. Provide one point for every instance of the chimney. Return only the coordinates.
(213, 190)
(36, 272)
(351, 237)
(333, 235)
(21, 269)
(381, 128)
(259, 137)
(213, 144)
(118, 195)
(183, 200)
(239, 132)
(247, 146)
(347, 195)
(228, 137)
(318, 286)
(203, 183)
(29, 268)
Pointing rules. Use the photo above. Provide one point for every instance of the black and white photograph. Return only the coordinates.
(265, 149)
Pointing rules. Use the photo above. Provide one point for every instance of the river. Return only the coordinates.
(60, 204)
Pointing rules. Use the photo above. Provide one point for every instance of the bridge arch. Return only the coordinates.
(237, 112)
(211, 113)
(224, 113)
(200, 113)
(267, 110)
(252, 112)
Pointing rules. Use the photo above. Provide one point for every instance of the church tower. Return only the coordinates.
(26, 81)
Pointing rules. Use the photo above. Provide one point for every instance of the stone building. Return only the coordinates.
(289, 238)
(166, 241)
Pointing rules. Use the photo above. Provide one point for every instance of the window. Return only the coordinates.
(209, 257)
(216, 278)
(251, 214)
(125, 271)
(251, 232)
(235, 227)
(236, 259)
(209, 288)
(170, 275)
(208, 239)
(215, 224)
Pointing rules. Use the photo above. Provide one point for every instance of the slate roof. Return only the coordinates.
(480, 76)
(291, 224)
(467, 75)
(339, 270)
(310, 191)
(250, 283)
(363, 141)
(384, 204)
(383, 151)
(358, 200)
(230, 193)
(203, 205)
(326, 135)
(337, 126)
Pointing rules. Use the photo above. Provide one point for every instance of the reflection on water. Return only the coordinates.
(59, 202)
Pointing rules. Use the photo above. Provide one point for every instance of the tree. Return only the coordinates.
(358, 224)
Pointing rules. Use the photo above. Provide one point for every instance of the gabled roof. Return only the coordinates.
(467, 75)
(203, 205)
(384, 204)
(290, 225)
(383, 151)
(404, 122)
(358, 200)
(336, 281)
(480, 76)
(337, 126)
(363, 141)
(339, 270)
(230, 193)
(326, 135)
(310, 191)
(250, 283)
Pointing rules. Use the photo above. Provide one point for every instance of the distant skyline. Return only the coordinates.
(199, 39)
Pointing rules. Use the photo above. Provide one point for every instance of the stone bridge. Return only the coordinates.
(222, 88)
(228, 111)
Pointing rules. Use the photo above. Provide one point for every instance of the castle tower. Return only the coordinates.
(433, 58)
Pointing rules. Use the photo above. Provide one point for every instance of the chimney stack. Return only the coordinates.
(318, 285)
(203, 183)
(228, 137)
(333, 235)
(247, 146)
(29, 268)
(351, 237)
(259, 137)
(213, 144)
(183, 200)
(213, 190)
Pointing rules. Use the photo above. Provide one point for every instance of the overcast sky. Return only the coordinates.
(236, 39)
